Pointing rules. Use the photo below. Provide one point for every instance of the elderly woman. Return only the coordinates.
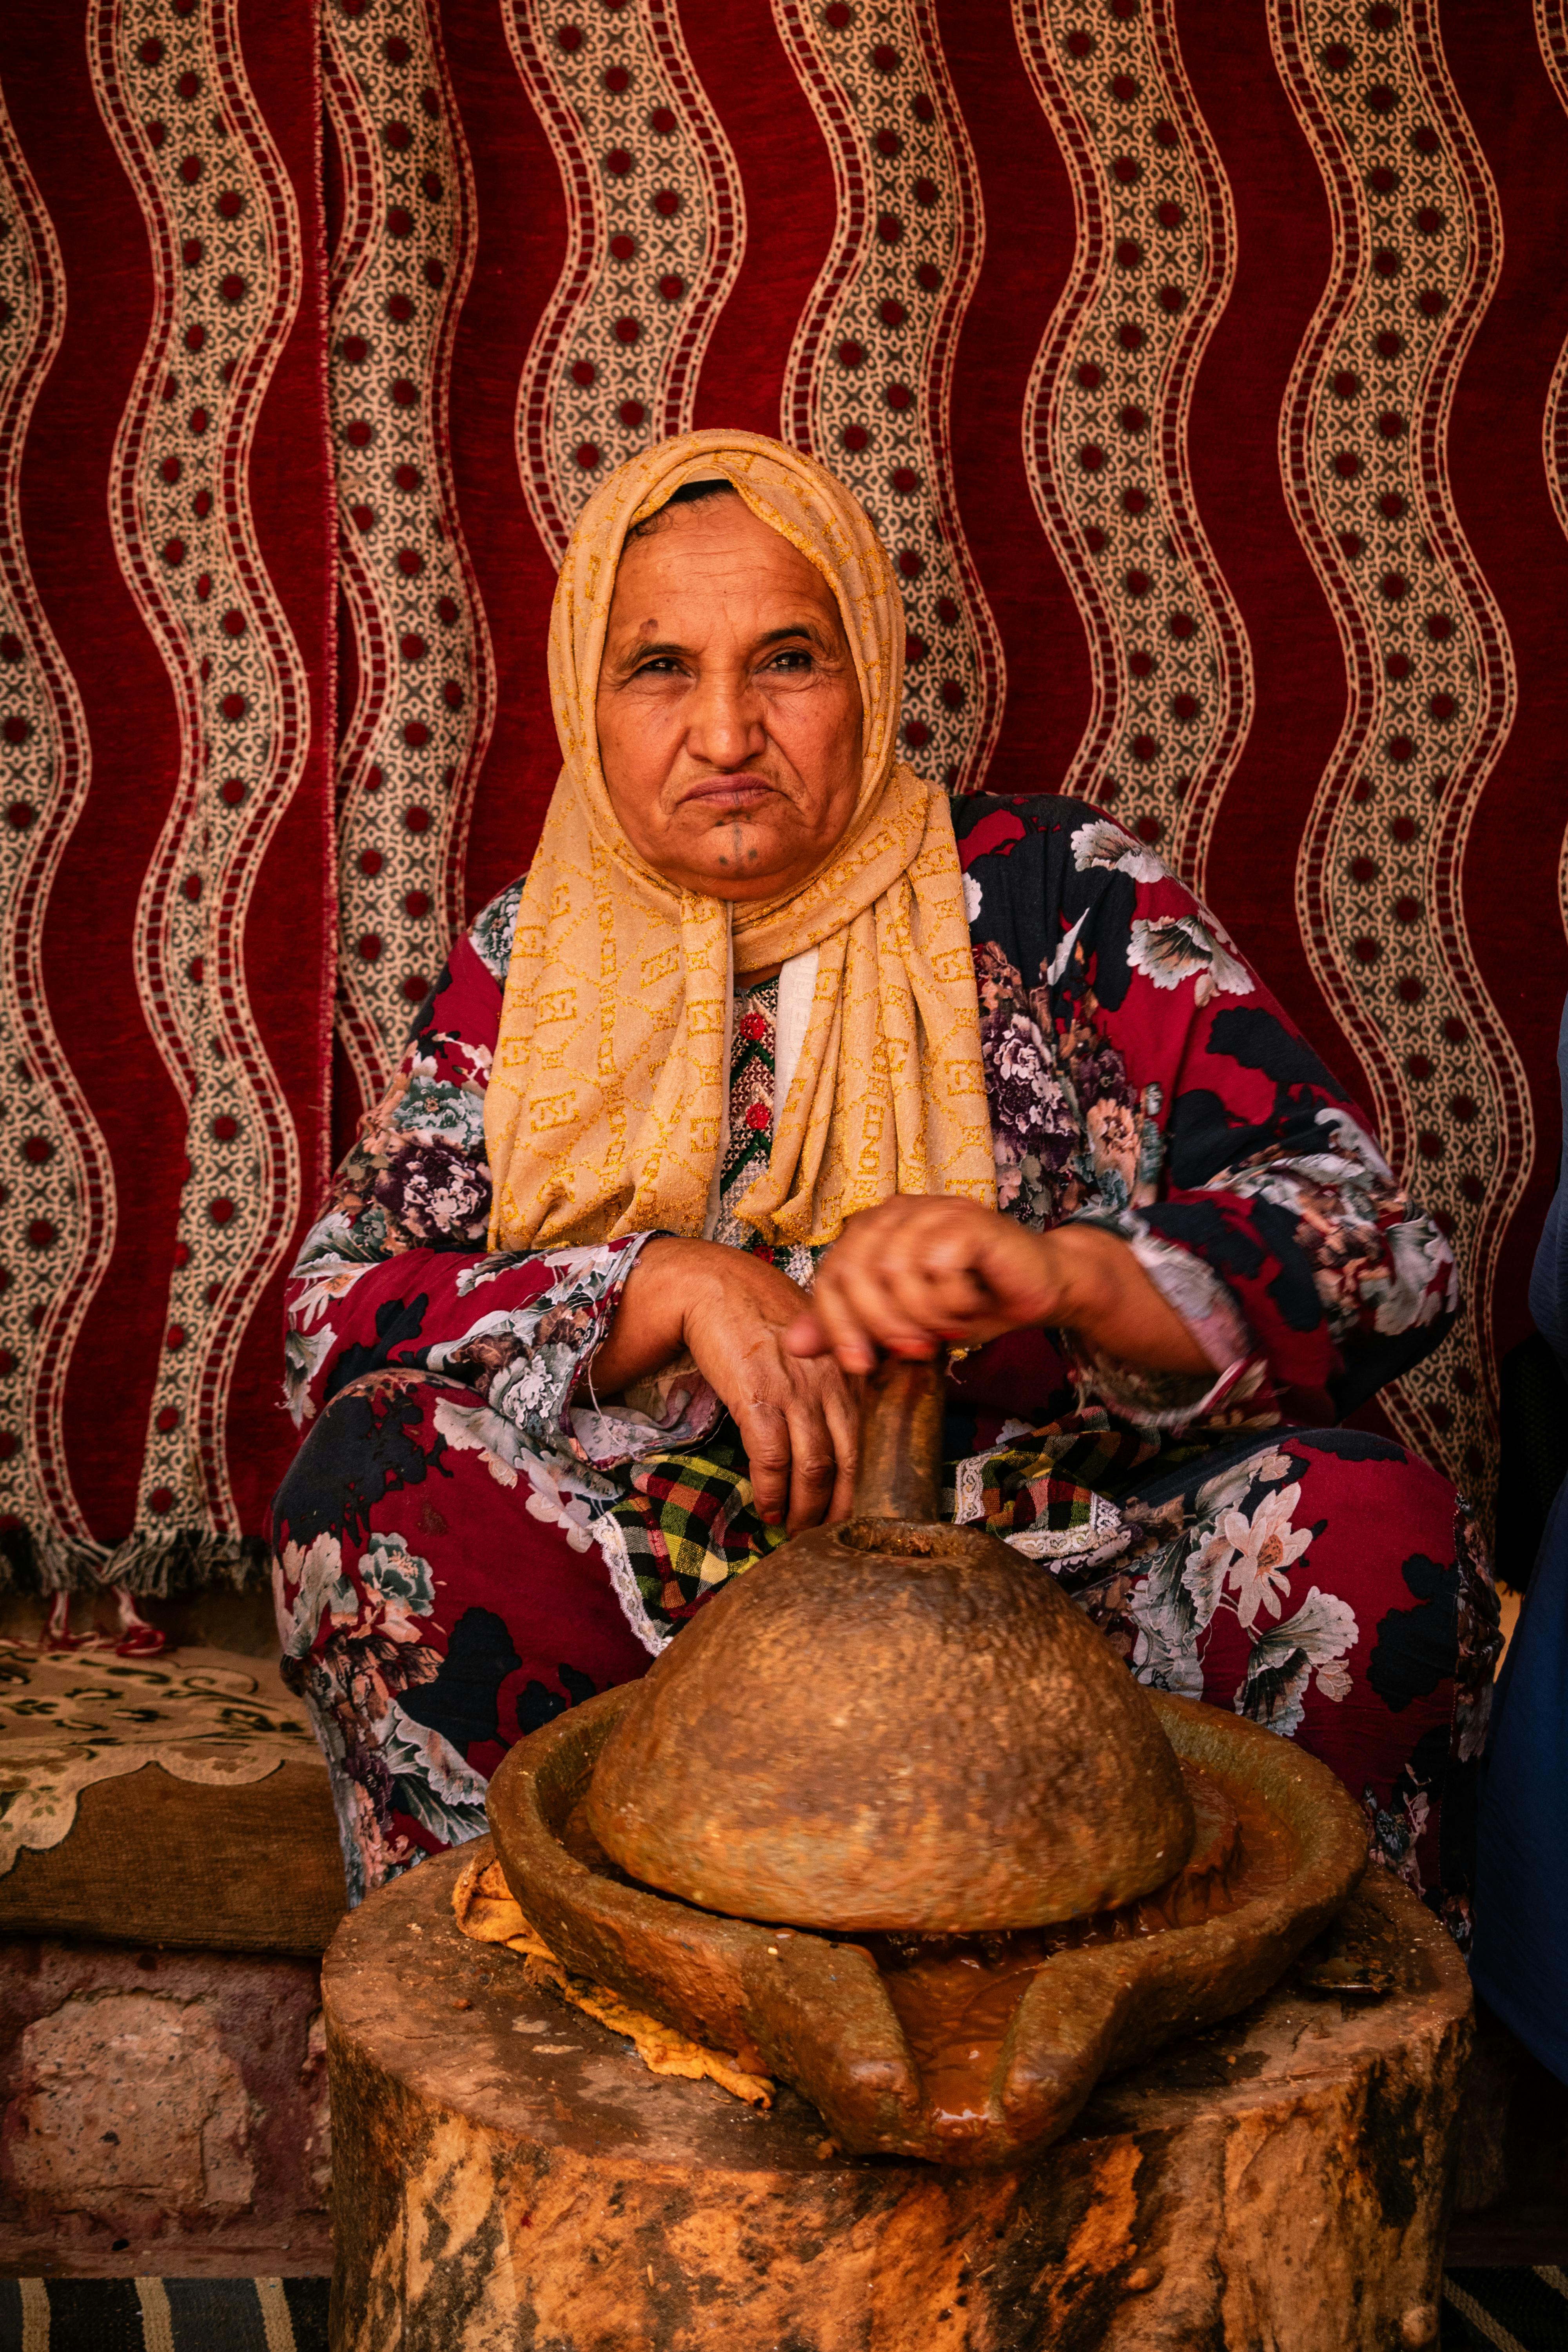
(773, 1061)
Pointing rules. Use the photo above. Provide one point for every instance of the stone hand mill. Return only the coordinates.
(892, 1824)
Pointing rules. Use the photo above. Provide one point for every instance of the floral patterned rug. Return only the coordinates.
(206, 1715)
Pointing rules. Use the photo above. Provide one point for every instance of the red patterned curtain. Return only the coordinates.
(1198, 359)
(166, 655)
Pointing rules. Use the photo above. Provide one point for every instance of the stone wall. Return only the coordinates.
(161, 2111)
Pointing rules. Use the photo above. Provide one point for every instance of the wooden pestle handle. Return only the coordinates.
(900, 1476)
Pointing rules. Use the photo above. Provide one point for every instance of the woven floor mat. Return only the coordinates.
(1483, 2311)
(1505, 2311)
(174, 2315)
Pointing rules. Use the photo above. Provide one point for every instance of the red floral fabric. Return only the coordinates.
(471, 1539)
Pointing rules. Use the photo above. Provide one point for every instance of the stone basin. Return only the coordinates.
(973, 2051)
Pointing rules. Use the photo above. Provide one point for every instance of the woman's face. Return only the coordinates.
(729, 713)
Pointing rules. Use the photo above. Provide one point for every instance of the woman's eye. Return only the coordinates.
(794, 658)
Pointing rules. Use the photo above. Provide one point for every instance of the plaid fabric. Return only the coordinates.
(690, 1521)
(1048, 1481)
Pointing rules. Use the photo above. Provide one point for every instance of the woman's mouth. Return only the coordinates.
(725, 796)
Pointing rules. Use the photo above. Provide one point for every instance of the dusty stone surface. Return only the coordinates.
(161, 2110)
(130, 2095)
(510, 2178)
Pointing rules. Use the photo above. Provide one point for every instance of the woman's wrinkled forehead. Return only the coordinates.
(712, 492)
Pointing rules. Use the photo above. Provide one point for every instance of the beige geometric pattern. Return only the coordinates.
(57, 1182)
(1105, 421)
(1430, 670)
(655, 229)
(1552, 34)
(867, 382)
(424, 674)
(223, 229)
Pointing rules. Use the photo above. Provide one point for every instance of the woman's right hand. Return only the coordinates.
(798, 1417)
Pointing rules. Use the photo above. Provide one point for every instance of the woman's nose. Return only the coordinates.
(724, 727)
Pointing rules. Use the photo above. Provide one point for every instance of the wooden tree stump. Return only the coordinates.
(509, 2178)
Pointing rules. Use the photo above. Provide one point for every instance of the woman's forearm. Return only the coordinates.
(1091, 1282)
(1116, 1310)
(647, 1329)
(923, 1268)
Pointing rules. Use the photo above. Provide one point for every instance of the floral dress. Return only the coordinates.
(471, 1539)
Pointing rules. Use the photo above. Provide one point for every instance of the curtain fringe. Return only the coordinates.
(154, 1563)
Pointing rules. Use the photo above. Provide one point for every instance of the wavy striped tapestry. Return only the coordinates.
(1202, 362)
(165, 723)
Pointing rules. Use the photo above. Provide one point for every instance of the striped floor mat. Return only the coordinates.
(1505, 2311)
(1483, 2311)
(171, 2314)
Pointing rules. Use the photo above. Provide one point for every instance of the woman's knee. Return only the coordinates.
(377, 1436)
(1410, 1538)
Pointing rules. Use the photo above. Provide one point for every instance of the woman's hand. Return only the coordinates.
(798, 1417)
(904, 1278)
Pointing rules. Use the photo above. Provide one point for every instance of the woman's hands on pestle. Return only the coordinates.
(798, 1416)
(902, 1280)
(916, 1272)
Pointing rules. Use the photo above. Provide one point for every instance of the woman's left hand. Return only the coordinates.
(915, 1273)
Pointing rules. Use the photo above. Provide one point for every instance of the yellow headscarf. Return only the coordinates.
(604, 1112)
